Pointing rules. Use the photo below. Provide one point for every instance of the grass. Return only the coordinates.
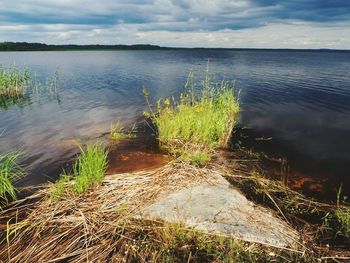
(88, 171)
(9, 172)
(14, 82)
(198, 123)
(90, 167)
(17, 86)
(118, 132)
(103, 226)
(326, 223)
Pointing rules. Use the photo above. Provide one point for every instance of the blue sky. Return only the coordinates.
(188, 23)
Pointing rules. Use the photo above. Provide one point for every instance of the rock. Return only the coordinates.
(219, 208)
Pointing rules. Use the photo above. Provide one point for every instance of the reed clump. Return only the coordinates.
(10, 172)
(14, 82)
(18, 85)
(201, 121)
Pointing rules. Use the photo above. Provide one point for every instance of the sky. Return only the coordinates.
(179, 23)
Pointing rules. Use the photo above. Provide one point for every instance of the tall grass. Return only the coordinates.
(198, 122)
(10, 171)
(17, 86)
(88, 171)
(14, 82)
(90, 167)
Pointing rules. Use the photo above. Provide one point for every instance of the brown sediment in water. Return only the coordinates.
(135, 154)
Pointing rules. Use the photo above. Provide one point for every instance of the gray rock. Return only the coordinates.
(219, 208)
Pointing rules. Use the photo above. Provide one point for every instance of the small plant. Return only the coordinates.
(88, 171)
(197, 122)
(10, 171)
(90, 167)
(118, 132)
(60, 186)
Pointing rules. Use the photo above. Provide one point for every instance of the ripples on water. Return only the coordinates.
(300, 98)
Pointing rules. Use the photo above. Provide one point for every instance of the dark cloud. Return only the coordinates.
(103, 20)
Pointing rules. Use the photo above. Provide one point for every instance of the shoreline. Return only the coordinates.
(231, 174)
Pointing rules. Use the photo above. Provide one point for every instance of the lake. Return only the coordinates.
(299, 99)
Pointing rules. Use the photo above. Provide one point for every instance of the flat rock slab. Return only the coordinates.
(219, 208)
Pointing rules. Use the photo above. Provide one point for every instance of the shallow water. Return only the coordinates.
(299, 98)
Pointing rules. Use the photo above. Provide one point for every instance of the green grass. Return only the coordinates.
(14, 82)
(90, 167)
(116, 132)
(88, 171)
(9, 172)
(197, 122)
(17, 86)
(60, 187)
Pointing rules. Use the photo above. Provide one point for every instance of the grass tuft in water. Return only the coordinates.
(17, 86)
(118, 132)
(199, 122)
(10, 171)
(14, 82)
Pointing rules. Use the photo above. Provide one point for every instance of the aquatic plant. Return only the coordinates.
(10, 171)
(198, 122)
(14, 82)
(117, 131)
(17, 86)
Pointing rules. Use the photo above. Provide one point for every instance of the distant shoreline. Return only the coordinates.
(24, 46)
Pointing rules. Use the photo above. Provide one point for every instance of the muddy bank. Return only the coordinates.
(135, 154)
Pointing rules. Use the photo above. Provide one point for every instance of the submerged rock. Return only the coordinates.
(218, 208)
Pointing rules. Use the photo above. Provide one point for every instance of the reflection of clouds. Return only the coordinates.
(318, 134)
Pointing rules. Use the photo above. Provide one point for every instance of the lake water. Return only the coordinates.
(301, 99)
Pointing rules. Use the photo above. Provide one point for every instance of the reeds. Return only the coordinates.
(18, 85)
(199, 122)
(14, 82)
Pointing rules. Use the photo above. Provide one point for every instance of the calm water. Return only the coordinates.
(299, 98)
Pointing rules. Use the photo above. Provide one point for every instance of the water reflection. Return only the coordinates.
(299, 98)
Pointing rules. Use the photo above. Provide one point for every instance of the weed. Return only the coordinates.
(118, 132)
(90, 167)
(201, 121)
(88, 170)
(60, 186)
(17, 86)
(10, 171)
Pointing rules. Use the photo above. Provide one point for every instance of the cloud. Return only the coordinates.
(178, 22)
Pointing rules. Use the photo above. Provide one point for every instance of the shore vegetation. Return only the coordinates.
(10, 172)
(88, 171)
(200, 121)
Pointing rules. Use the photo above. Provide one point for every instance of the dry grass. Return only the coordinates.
(81, 227)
